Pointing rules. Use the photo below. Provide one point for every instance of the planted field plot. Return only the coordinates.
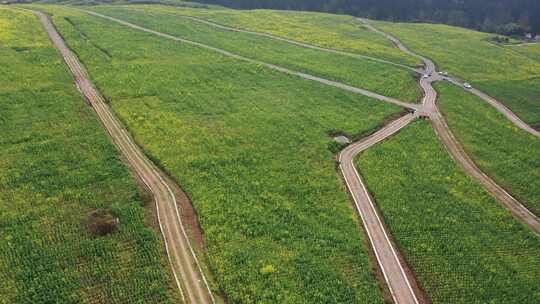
(381, 78)
(505, 152)
(57, 167)
(251, 146)
(503, 73)
(462, 245)
(340, 32)
(531, 50)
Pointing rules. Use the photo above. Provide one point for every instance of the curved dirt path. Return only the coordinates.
(186, 269)
(500, 107)
(454, 147)
(281, 38)
(431, 69)
(395, 273)
(268, 65)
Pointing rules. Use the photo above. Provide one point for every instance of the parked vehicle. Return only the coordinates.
(467, 85)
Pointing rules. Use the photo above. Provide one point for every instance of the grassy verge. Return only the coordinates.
(500, 71)
(382, 78)
(506, 153)
(251, 148)
(463, 246)
(57, 166)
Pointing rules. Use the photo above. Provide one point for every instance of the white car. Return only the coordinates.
(426, 76)
(467, 85)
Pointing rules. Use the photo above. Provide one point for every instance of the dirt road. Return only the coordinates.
(394, 271)
(454, 147)
(268, 65)
(280, 38)
(500, 107)
(186, 269)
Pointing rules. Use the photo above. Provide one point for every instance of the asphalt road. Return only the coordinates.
(187, 272)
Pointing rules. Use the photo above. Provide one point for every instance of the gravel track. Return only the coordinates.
(268, 65)
(454, 147)
(186, 269)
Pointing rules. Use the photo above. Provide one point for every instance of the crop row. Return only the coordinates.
(250, 147)
(57, 166)
(463, 246)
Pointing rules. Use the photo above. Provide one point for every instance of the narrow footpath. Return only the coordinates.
(186, 269)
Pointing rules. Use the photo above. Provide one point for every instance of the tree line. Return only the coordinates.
(512, 17)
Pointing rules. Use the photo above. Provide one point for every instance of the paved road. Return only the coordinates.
(454, 147)
(268, 65)
(280, 38)
(394, 271)
(187, 272)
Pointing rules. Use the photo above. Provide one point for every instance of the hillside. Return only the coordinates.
(264, 156)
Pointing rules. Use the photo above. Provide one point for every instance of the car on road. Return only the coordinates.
(426, 75)
(443, 73)
(467, 85)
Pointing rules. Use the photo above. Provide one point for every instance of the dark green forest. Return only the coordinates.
(513, 17)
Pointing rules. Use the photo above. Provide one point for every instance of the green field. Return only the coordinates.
(57, 165)
(505, 152)
(251, 147)
(379, 77)
(462, 245)
(530, 50)
(498, 70)
(339, 32)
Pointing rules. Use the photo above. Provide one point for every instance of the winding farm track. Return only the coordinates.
(501, 108)
(454, 147)
(396, 274)
(186, 269)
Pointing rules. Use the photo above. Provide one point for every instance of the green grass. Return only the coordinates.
(498, 70)
(340, 32)
(251, 148)
(381, 78)
(462, 245)
(505, 152)
(57, 166)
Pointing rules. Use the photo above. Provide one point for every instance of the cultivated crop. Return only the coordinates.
(505, 152)
(462, 245)
(379, 77)
(531, 50)
(498, 70)
(340, 32)
(57, 166)
(250, 146)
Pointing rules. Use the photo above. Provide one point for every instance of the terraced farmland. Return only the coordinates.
(252, 148)
(57, 165)
(462, 245)
(378, 77)
(505, 152)
(503, 73)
